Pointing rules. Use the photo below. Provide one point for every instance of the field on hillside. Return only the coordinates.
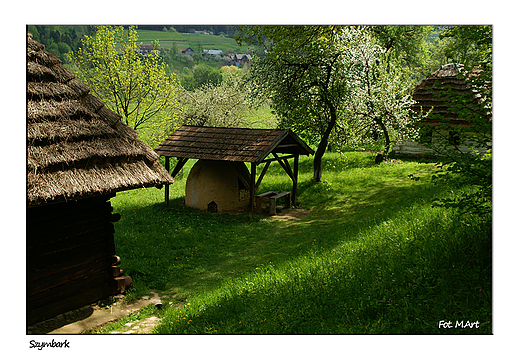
(363, 253)
(211, 42)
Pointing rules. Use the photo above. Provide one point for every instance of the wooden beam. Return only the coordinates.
(276, 159)
(292, 174)
(264, 170)
(288, 169)
(180, 163)
(252, 189)
(285, 165)
(295, 180)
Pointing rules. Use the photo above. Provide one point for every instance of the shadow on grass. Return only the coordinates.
(395, 286)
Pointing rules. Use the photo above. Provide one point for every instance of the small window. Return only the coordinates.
(454, 138)
(426, 135)
(243, 194)
(241, 185)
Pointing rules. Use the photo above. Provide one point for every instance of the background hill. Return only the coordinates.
(196, 41)
(61, 39)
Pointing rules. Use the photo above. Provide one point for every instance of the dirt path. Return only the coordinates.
(293, 215)
(144, 326)
(93, 316)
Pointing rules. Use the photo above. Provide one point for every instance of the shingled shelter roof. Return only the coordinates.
(77, 147)
(427, 93)
(231, 144)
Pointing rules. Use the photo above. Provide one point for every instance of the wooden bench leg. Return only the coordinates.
(272, 206)
(273, 199)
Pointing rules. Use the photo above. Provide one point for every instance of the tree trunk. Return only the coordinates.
(323, 144)
(317, 164)
(387, 136)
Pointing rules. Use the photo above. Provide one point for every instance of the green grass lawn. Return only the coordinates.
(367, 255)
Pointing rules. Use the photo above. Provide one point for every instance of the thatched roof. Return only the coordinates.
(426, 93)
(77, 147)
(231, 144)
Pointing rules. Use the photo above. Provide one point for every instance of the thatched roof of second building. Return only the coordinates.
(76, 147)
(428, 93)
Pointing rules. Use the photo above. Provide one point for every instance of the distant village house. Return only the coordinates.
(241, 59)
(211, 52)
(145, 50)
(188, 51)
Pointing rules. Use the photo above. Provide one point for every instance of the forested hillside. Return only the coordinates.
(59, 39)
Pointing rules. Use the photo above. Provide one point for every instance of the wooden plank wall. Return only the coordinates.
(70, 256)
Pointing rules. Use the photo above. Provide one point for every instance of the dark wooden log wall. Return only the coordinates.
(70, 256)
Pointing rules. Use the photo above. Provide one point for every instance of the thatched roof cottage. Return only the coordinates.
(79, 154)
(426, 96)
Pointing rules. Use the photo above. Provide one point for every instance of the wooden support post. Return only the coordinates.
(295, 180)
(167, 187)
(252, 189)
(293, 174)
(264, 171)
(285, 165)
(180, 163)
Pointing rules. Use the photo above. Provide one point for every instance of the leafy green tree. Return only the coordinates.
(174, 49)
(231, 71)
(63, 51)
(201, 75)
(35, 33)
(223, 105)
(470, 45)
(409, 46)
(59, 40)
(136, 87)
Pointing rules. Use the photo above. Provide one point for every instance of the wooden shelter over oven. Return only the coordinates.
(236, 145)
(79, 154)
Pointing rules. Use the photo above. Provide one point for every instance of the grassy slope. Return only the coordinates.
(212, 42)
(371, 256)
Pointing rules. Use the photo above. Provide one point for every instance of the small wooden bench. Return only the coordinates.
(274, 198)
(263, 197)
